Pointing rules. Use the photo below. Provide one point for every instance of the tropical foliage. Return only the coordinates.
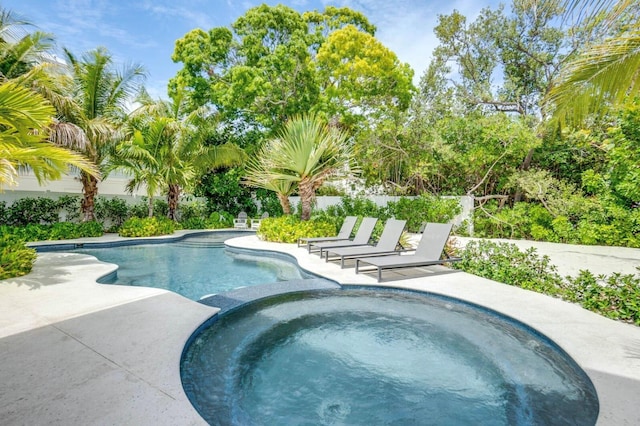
(304, 154)
(616, 296)
(478, 124)
(91, 105)
(288, 229)
(15, 259)
(25, 116)
(168, 149)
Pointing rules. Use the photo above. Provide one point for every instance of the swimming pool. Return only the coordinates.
(194, 267)
(363, 356)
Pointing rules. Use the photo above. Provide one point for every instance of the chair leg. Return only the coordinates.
(341, 262)
(379, 274)
(357, 265)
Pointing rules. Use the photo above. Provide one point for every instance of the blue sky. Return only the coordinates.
(144, 31)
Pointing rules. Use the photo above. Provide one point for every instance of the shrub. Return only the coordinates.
(192, 209)
(219, 220)
(3, 212)
(358, 206)
(62, 231)
(70, 206)
(90, 229)
(112, 212)
(57, 231)
(615, 296)
(425, 208)
(288, 229)
(141, 209)
(16, 259)
(505, 263)
(147, 227)
(40, 210)
(193, 223)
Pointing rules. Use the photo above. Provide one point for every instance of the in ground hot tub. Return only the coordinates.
(379, 357)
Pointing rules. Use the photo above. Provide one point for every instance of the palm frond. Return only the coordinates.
(607, 72)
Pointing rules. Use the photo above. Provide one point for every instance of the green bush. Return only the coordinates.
(141, 209)
(193, 223)
(62, 231)
(16, 259)
(358, 206)
(615, 296)
(147, 227)
(192, 209)
(288, 229)
(57, 231)
(112, 212)
(70, 205)
(597, 221)
(24, 211)
(425, 208)
(219, 220)
(90, 229)
(3, 212)
(505, 263)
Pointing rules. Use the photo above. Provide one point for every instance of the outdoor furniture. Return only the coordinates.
(427, 253)
(387, 244)
(242, 221)
(343, 234)
(361, 239)
(255, 223)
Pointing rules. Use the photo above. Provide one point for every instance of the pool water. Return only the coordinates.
(194, 267)
(364, 357)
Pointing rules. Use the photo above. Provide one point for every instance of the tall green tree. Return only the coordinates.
(275, 63)
(304, 154)
(91, 107)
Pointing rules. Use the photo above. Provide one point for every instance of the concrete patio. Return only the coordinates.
(74, 352)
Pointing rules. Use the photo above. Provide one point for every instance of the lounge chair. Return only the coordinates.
(241, 222)
(386, 245)
(255, 223)
(361, 238)
(427, 253)
(343, 234)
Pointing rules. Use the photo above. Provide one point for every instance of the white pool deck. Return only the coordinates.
(74, 352)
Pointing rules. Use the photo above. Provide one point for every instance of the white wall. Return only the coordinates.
(28, 186)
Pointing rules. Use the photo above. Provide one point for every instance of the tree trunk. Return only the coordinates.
(151, 206)
(89, 193)
(284, 202)
(172, 200)
(307, 193)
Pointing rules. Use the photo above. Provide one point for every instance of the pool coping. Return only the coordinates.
(71, 356)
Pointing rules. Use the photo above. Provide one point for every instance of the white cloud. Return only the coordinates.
(190, 12)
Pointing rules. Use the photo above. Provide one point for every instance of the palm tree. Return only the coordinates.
(20, 50)
(258, 175)
(305, 153)
(604, 73)
(24, 120)
(138, 156)
(168, 149)
(91, 109)
(24, 114)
